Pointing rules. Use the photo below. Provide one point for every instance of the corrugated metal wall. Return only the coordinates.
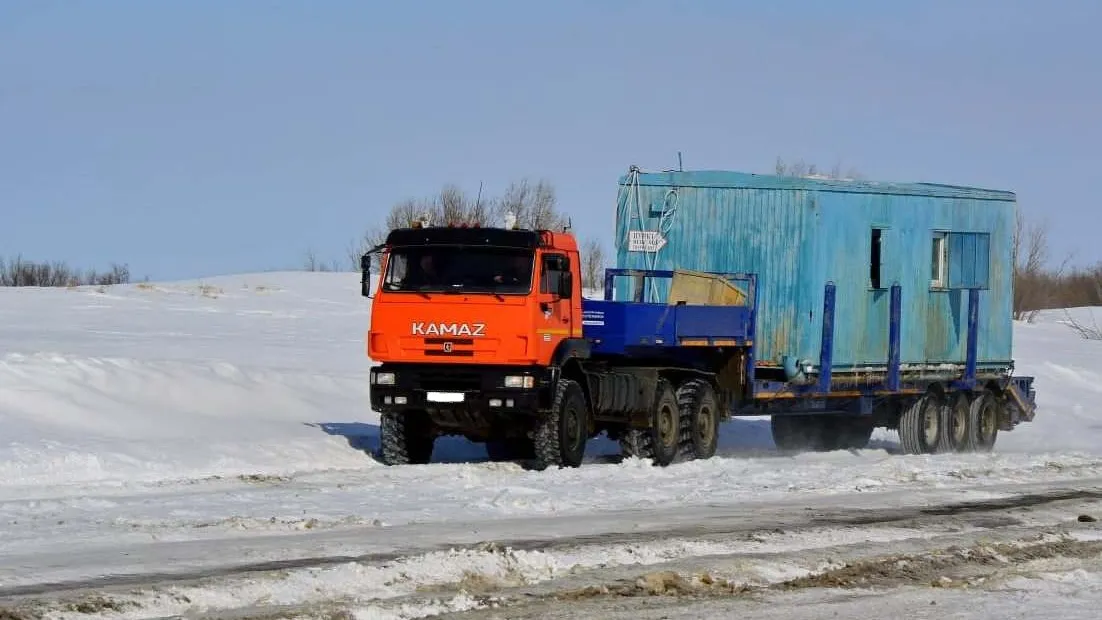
(799, 233)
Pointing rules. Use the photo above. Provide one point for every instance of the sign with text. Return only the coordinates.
(645, 241)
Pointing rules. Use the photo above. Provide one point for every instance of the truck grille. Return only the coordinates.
(449, 347)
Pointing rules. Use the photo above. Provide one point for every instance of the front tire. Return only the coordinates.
(405, 438)
(562, 433)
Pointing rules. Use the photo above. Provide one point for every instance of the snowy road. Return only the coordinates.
(534, 563)
(205, 449)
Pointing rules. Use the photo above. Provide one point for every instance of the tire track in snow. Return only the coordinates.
(707, 523)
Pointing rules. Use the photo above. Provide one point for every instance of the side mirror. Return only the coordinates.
(365, 275)
(566, 285)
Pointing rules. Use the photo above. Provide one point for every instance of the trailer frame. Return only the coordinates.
(681, 332)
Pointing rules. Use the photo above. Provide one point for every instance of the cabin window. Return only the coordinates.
(876, 260)
(552, 271)
(961, 260)
(969, 260)
(939, 261)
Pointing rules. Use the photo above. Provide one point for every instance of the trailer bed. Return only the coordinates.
(621, 327)
(636, 327)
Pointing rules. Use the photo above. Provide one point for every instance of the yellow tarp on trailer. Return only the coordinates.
(704, 289)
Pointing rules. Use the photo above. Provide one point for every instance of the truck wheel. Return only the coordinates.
(920, 425)
(406, 439)
(659, 441)
(983, 422)
(665, 425)
(696, 401)
(954, 424)
(562, 433)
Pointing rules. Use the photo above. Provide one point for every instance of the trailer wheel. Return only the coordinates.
(954, 424)
(562, 433)
(405, 438)
(920, 425)
(699, 420)
(983, 422)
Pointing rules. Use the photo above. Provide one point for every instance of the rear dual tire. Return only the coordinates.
(683, 425)
(983, 422)
(957, 422)
(696, 401)
(920, 426)
(661, 440)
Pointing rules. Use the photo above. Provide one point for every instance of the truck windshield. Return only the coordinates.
(455, 269)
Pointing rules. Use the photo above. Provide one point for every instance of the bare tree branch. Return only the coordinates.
(20, 272)
(593, 264)
(534, 204)
(801, 168)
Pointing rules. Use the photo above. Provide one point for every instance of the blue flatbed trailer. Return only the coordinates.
(694, 347)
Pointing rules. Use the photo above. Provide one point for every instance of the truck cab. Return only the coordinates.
(468, 325)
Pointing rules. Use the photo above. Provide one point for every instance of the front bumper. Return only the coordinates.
(458, 388)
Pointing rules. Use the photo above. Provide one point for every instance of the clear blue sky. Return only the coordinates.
(196, 138)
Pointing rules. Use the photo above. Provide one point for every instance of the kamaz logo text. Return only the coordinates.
(449, 329)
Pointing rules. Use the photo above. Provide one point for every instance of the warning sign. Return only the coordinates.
(645, 241)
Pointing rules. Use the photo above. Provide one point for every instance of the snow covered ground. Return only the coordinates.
(190, 426)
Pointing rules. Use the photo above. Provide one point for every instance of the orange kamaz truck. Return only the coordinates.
(475, 329)
(484, 333)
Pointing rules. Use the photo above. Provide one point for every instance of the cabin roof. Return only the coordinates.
(744, 180)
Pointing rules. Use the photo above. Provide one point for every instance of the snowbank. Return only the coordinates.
(265, 374)
(183, 380)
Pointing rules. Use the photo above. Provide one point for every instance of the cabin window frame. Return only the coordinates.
(949, 250)
(939, 260)
(553, 266)
(876, 263)
(969, 265)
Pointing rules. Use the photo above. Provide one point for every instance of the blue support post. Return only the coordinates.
(752, 335)
(973, 337)
(895, 315)
(826, 350)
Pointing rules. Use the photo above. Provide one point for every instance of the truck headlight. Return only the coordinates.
(520, 381)
(383, 378)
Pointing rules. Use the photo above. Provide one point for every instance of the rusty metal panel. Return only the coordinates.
(797, 234)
